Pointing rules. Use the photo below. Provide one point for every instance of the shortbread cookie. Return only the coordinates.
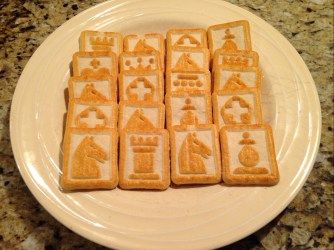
(101, 41)
(95, 64)
(191, 38)
(235, 59)
(141, 86)
(248, 155)
(235, 78)
(188, 109)
(93, 89)
(139, 61)
(90, 159)
(146, 43)
(134, 116)
(230, 36)
(195, 155)
(179, 81)
(188, 59)
(242, 107)
(144, 159)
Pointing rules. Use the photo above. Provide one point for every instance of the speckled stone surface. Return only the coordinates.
(306, 223)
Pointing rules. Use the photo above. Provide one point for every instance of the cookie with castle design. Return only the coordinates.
(93, 89)
(229, 37)
(146, 43)
(95, 64)
(101, 41)
(139, 61)
(241, 59)
(187, 109)
(134, 116)
(187, 38)
(248, 155)
(188, 59)
(141, 87)
(235, 108)
(179, 81)
(90, 159)
(144, 159)
(195, 155)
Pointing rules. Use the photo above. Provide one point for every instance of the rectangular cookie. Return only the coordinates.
(190, 38)
(141, 87)
(144, 159)
(139, 61)
(233, 108)
(248, 155)
(230, 36)
(235, 59)
(179, 81)
(195, 155)
(188, 109)
(90, 159)
(134, 116)
(100, 41)
(94, 64)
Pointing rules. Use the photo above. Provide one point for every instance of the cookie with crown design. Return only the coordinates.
(239, 59)
(186, 38)
(90, 159)
(248, 155)
(139, 61)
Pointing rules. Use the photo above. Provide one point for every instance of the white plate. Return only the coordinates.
(201, 217)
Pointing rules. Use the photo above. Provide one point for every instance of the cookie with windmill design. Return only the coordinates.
(141, 87)
(248, 155)
(188, 109)
(229, 37)
(186, 38)
(90, 159)
(139, 61)
(188, 59)
(241, 59)
(144, 159)
(195, 155)
(95, 64)
(146, 43)
(100, 41)
(232, 108)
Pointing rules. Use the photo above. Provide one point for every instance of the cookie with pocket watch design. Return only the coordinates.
(248, 155)
(186, 38)
(90, 159)
(242, 59)
(139, 61)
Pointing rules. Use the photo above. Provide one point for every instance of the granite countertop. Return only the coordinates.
(306, 223)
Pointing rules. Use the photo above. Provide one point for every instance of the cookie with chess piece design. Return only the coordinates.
(139, 61)
(238, 59)
(186, 38)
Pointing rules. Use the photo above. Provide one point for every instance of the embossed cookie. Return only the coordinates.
(248, 155)
(188, 109)
(231, 36)
(139, 61)
(191, 38)
(235, 59)
(90, 159)
(195, 155)
(144, 159)
(134, 116)
(179, 81)
(101, 41)
(188, 59)
(95, 64)
(141, 87)
(242, 107)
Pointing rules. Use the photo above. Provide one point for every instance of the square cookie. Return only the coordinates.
(230, 36)
(188, 59)
(195, 155)
(95, 64)
(144, 159)
(141, 87)
(93, 89)
(229, 78)
(101, 41)
(139, 61)
(182, 38)
(235, 59)
(248, 155)
(242, 107)
(188, 109)
(134, 116)
(90, 159)
(179, 81)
